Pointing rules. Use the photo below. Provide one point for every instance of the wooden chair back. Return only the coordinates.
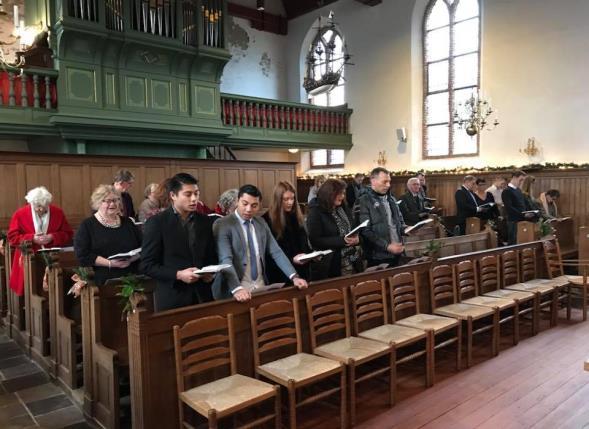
(473, 225)
(442, 286)
(552, 258)
(369, 307)
(510, 269)
(275, 326)
(404, 296)
(202, 345)
(328, 316)
(466, 280)
(490, 275)
(528, 264)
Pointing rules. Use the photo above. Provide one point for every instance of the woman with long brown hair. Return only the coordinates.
(328, 222)
(285, 220)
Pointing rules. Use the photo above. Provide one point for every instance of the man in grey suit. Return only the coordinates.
(243, 241)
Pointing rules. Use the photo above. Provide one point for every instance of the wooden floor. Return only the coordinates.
(540, 383)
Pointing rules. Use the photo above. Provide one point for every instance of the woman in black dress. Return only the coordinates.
(328, 223)
(104, 234)
(285, 220)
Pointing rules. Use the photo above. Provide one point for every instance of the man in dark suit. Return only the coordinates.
(515, 204)
(412, 205)
(382, 239)
(176, 242)
(466, 203)
(243, 240)
(354, 189)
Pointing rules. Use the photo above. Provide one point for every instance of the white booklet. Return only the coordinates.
(357, 229)
(531, 211)
(211, 269)
(418, 225)
(214, 215)
(133, 254)
(489, 204)
(313, 255)
(398, 202)
(57, 249)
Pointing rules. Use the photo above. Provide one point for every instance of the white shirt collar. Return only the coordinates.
(511, 185)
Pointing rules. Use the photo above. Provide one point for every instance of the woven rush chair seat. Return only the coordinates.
(511, 294)
(541, 286)
(299, 367)
(227, 395)
(394, 334)
(464, 311)
(428, 321)
(490, 301)
(351, 348)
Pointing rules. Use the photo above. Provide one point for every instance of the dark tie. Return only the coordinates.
(252, 250)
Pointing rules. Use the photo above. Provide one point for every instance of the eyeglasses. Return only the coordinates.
(113, 201)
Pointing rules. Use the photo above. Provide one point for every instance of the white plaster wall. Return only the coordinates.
(259, 69)
(534, 68)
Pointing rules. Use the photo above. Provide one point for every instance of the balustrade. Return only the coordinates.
(29, 88)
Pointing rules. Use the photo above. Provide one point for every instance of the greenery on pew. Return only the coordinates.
(25, 247)
(432, 249)
(131, 294)
(546, 228)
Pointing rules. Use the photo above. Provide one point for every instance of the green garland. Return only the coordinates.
(473, 170)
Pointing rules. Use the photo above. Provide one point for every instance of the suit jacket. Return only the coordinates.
(22, 229)
(231, 247)
(376, 236)
(465, 205)
(514, 203)
(410, 210)
(167, 248)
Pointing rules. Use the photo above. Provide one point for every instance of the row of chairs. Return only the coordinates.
(357, 333)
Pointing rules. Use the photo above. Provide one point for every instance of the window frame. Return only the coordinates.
(451, 71)
(328, 157)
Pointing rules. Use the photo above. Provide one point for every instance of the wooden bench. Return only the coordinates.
(106, 354)
(3, 290)
(564, 230)
(37, 310)
(65, 326)
(16, 309)
(455, 245)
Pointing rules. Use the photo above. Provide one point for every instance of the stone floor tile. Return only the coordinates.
(20, 422)
(19, 370)
(12, 410)
(26, 381)
(48, 405)
(36, 393)
(7, 399)
(13, 361)
(60, 418)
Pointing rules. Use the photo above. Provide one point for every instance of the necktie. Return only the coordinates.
(252, 251)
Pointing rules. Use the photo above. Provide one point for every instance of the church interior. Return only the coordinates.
(293, 213)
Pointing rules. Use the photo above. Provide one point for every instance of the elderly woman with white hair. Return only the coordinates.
(39, 222)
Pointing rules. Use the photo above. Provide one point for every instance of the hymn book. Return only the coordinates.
(212, 269)
(418, 225)
(357, 229)
(266, 288)
(313, 255)
(131, 255)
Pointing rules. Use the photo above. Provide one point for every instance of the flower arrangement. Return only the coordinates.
(131, 293)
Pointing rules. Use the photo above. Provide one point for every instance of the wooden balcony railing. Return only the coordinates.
(29, 88)
(241, 111)
(192, 22)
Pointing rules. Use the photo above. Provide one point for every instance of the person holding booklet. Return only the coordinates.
(515, 205)
(243, 241)
(285, 220)
(329, 222)
(467, 204)
(382, 239)
(412, 205)
(176, 243)
(105, 234)
(485, 199)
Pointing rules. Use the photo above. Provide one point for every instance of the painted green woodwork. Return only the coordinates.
(136, 93)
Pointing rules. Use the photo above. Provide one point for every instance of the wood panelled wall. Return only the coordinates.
(573, 185)
(72, 178)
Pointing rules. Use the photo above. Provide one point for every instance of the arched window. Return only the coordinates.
(327, 54)
(451, 58)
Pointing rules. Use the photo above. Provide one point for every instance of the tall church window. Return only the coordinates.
(451, 58)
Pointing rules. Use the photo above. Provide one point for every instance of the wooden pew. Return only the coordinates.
(565, 232)
(105, 338)
(474, 225)
(455, 245)
(583, 241)
(3, 290)
(16, 310)
(37, 311)
(65, 326)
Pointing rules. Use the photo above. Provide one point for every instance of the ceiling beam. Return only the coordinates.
(260, 20)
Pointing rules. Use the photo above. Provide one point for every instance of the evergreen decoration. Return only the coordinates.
(131, 293)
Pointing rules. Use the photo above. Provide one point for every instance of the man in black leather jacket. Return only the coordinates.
(382, 239)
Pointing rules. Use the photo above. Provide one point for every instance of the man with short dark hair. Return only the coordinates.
(353, 189)
(412, 206)
(177, 242)
(382, 239)
(243, 240)
(515, 205)
(466, 203)
(123, 181)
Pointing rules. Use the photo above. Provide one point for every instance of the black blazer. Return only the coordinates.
(324, 234)
(166, 250)
(515, 204)
(490, 213)
(465, 205)
(410, 210)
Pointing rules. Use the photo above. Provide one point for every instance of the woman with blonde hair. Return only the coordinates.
(151, 205)
(285, 220)
(107, 233)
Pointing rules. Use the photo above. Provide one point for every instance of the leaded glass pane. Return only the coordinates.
(437, 46)
(437, 76)
(466, 9)
(466, 36)
(437, 108)
(466, 70)
(437, 140)
(439, 16)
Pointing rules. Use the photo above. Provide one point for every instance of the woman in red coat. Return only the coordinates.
(42, 224)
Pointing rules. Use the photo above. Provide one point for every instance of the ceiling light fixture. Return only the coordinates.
(260, 5)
